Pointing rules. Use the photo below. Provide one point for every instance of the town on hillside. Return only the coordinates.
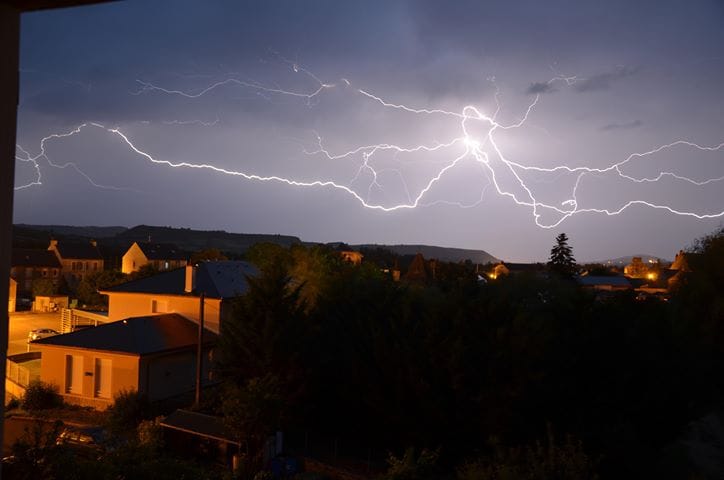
(282, 357)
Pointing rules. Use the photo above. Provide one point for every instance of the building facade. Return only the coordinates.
(77, 260)
(158, 255)
(153, 355)
(28, 265)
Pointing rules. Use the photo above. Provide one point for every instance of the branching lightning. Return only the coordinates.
(34, 161)
(503, 175)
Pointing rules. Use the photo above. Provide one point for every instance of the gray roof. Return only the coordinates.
(79, 251)
(524, 267)
(25, 257)
(199, 424)
(593, 280)
(161, 251)
(138, 335)
(215, 279)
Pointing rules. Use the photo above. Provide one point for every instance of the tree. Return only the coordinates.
(206, 255)
(87, 290)
(43, 287)
(561, 260)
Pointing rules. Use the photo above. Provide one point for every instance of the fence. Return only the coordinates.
(17, 373)
(18, 377)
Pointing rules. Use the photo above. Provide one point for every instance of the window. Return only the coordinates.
(74, 374)
(159, 306)
(103, 378)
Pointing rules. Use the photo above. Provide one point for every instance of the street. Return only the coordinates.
(22, 322)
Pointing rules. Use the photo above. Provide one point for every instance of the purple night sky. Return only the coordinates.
(484, 125)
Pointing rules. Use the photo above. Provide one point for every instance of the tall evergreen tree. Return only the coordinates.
(561, 260)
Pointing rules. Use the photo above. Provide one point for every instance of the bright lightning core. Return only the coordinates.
(477, 141)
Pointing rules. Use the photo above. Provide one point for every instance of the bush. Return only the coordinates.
(13, 404)
(40, 396)
(128, 409)
(150, 434)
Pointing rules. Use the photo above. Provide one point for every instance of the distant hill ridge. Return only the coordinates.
(445, 254)
(193, 240)
(69, 230)
(119, 238)
(184, 238)
(627, 260)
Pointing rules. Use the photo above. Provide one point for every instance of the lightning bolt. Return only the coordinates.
(481, 149)
(34, 161)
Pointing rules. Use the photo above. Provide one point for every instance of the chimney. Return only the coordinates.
(190, 283)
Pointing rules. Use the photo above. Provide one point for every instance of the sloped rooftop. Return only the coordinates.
(199, 424)
(593, 280)
(162, 251)
(84, 251)
(215, 279)
(138, 335)
(25, 257)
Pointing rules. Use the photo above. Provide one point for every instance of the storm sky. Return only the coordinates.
(473, 106)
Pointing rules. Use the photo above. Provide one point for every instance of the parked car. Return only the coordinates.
(86, 441)
(39, 333)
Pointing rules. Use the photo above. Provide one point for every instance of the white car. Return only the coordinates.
(39, 333)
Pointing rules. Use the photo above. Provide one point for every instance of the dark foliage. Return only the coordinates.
(561, 260)
(452, 363)
(87, 290)
(128, 410)
(41, 396)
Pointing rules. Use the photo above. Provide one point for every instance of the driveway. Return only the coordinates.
(22, 322)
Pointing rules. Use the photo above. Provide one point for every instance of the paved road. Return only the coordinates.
(22, 322)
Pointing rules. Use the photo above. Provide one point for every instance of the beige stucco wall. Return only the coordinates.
(168, 375)
(43, 303)
(127, 305)
(12, 295)
(76, 269)
(133, 259)
(124, 373)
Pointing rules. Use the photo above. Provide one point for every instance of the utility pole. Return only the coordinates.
(199, 351)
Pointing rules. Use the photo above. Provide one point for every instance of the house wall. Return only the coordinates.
(165, 376)
(167, 264)
(124, 373)
(25, 275)
(133, 259)
(12, 295)
(76, 269)
(126, 305)
(50, 303)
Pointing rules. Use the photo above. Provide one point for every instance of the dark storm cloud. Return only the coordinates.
(603, 81)
(422, 53)
(540, 88)
(622, 126)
